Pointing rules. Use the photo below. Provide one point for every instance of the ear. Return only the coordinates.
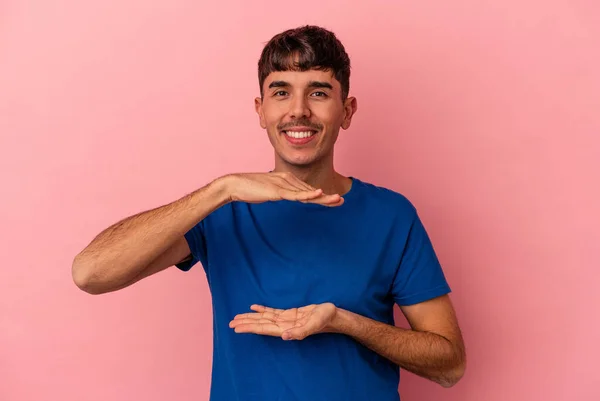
(258, 108)
(350, 107)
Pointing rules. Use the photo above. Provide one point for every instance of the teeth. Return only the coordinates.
(299, 135)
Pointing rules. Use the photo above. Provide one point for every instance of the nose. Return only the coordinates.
(299, 108)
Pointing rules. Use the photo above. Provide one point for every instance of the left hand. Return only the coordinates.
(289, 324)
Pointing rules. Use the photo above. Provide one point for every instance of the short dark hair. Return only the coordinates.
(302, 49)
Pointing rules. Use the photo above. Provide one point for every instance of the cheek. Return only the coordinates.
(331, 119)
(272, 118)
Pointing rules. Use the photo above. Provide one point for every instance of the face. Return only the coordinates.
(303, 112)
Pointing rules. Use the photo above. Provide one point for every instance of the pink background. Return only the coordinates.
(484, 113)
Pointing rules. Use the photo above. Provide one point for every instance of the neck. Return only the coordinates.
(319, 175)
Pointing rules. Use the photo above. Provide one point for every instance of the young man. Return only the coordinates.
(304, 264)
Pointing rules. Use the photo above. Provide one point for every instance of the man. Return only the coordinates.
(300, 253)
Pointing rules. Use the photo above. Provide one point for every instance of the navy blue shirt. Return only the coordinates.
(363, 256)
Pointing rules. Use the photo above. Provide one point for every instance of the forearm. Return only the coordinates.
(122, 251)
(426, 354)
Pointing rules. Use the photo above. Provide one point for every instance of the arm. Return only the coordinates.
(433, 349)
(144, 244)
(151, 241)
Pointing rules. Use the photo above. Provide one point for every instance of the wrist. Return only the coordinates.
(222, 188)
(341, 322)
(209, 198)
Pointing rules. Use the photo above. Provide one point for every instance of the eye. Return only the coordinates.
(322, 94)
(278, 92)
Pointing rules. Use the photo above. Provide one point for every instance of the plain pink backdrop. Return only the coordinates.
(485, 114)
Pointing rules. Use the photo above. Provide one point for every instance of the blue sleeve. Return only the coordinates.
(420, 276)
(197, 242)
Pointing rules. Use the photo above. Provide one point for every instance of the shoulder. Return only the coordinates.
(385, 199)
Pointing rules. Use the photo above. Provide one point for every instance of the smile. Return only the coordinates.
(298, 138)
(299, 134)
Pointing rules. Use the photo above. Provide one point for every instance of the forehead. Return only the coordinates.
(302, 78)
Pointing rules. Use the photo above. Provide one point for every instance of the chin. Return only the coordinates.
(300, 163)
(298, 160)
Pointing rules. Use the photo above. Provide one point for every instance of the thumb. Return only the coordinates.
(303, 329)
(298, 333)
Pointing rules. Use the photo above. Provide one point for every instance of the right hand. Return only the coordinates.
(264, 187)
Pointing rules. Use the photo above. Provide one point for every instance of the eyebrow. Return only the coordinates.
(311, 84)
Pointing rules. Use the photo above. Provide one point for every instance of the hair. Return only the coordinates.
(302, 49)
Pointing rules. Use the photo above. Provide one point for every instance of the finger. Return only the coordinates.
(331, 199)
(262, 308)
(340, 202)
(272, 316)
(302, 196)
(295, 192)
(256, 328)
(292, 179)
(297, 333)
(292, 193)
(238, 322)
(328, 200)
(254, 316)
(250, 324)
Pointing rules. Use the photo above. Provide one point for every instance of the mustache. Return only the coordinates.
(300, 123)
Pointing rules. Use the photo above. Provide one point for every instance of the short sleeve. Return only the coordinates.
(196, 240)
(419, 276)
